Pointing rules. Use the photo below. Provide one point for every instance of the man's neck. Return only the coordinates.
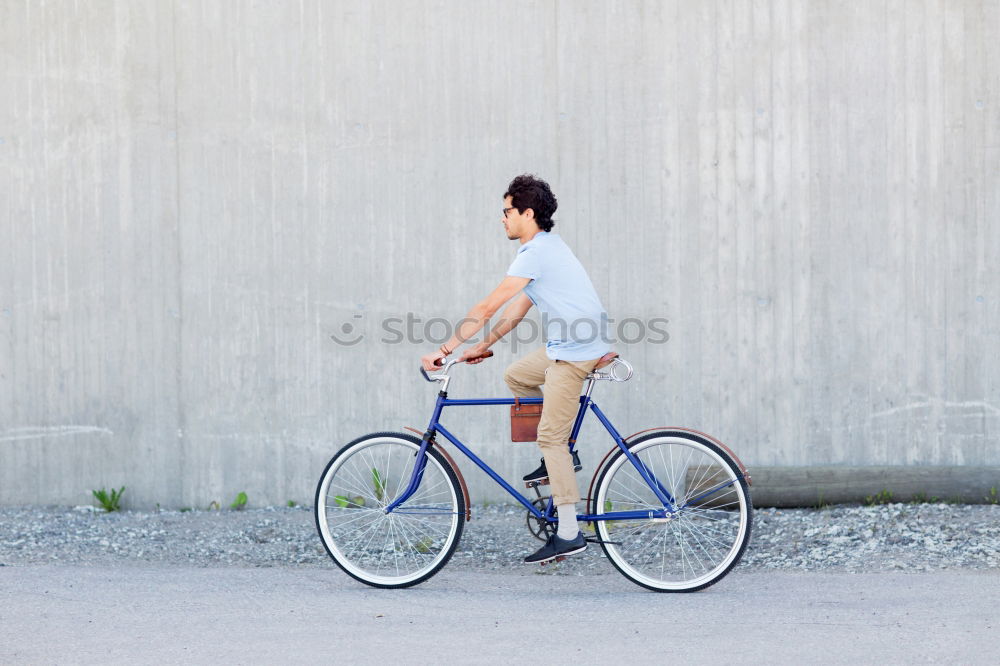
(527, 237)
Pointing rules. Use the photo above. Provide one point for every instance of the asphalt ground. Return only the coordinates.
(160, 614)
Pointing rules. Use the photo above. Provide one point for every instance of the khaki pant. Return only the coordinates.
(563, 383)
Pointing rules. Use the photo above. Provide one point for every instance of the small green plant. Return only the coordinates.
(214, 506)
(882, 497)
(611, 524)
(240, 502)
(821, 502)
(991, 497)
(185, 509)
(109, 502)
(292, 504)
(345, 502)
(922, 498)
(378, 484)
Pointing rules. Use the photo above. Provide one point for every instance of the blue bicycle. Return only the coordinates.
(669, 506)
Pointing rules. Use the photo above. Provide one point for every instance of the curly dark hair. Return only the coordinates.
(526, 192)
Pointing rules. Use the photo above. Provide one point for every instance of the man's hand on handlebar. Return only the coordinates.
(432, 361)
(476, 353)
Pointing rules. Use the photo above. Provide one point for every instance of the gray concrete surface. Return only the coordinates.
(194, 196)
(817, 485)
(173, 615)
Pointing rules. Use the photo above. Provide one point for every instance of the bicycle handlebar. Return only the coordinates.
(448, 365)
(611, 374)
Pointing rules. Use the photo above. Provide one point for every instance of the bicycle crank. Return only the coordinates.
(540, 529)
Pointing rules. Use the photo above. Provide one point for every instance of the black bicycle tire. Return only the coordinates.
(725, 457)
(456, 487)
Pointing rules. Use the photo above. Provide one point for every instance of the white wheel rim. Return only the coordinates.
(688, 532)
(402, 537)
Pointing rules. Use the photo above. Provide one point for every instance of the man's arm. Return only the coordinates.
(477, 316)
(509, 318)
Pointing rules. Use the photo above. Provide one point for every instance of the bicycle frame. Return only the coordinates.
(586, 402)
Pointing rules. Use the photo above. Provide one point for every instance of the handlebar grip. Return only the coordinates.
(440, 362)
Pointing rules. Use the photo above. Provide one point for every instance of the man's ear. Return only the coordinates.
(530, 214)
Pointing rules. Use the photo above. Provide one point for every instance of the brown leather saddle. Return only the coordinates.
(606, 360)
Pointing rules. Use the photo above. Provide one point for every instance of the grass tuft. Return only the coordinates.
(109, 501)
(882, 497)
(240, 502)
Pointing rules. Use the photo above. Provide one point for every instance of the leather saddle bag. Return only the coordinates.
(524, 421)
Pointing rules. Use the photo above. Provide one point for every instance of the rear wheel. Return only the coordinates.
(705, 536)
(398, 549)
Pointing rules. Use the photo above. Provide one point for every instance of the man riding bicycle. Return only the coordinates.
(546, 273)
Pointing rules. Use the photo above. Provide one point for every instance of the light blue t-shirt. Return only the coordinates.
(573, 318)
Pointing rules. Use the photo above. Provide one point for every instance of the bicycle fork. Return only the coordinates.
(418, 472)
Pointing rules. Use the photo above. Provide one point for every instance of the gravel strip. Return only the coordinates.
(892, 537)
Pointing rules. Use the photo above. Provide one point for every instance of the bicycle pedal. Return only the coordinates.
(535, 484)
(596, 540)
(560, 558)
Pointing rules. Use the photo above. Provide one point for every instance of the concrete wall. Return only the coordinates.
(194, 196)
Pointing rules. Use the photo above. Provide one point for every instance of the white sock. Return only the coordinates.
(568, 529)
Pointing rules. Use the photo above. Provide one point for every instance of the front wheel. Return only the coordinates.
(705, 534)
(397, 549)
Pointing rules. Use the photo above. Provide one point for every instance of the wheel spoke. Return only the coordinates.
(349, 480)
(692, 547)
(395, 549)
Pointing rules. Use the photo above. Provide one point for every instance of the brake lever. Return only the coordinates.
(428, 377)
